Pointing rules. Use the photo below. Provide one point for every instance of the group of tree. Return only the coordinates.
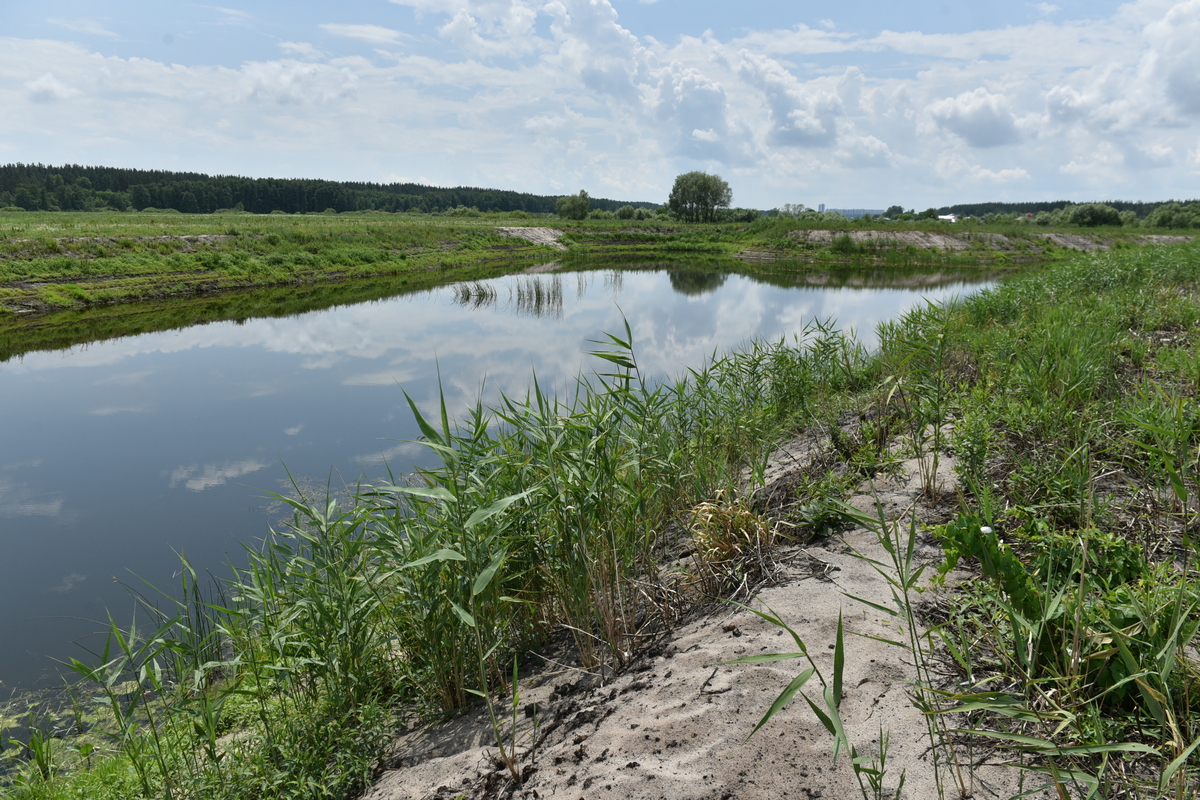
(36, 187)
(1158, 214)
(695, 197)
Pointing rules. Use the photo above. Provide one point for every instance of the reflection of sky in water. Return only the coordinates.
(113, 454)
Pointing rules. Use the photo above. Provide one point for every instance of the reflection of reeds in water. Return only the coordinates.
(475, 295)
(614, 281)
(537, 296)
(531, 295)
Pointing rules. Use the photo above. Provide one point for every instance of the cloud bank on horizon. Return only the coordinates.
(880, 105)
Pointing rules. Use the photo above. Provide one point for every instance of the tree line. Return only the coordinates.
(1141, 209)
(38, 187)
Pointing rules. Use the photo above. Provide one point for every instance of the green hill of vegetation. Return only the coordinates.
(37, 187)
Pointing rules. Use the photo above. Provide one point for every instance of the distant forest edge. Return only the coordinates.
(36, 187)
(1142, 209)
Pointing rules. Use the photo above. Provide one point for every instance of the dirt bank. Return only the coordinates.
(957, 242)
(675, 723)
(544, 236)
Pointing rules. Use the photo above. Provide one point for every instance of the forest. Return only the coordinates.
(37, 187)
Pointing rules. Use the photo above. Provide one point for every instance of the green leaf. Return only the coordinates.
(431, 492)
(765, 659)
(426, 429)
(445, 554)
(784, 698)
(489, 572)
(463, 614)
(481, 514)
(876, 606)
(839, 664)
(1174, 766)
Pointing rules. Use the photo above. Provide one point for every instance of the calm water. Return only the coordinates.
(118, 454)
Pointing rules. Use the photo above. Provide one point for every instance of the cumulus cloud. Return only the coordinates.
(980, 118)
(800, 115)
(1176, 56)
(48, 89)
(287, 82)
(865, 151)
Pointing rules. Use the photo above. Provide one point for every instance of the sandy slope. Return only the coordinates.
(674, 724)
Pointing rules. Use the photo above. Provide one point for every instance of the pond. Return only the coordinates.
(116, 455)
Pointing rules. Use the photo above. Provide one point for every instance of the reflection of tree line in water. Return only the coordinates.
(542, 295)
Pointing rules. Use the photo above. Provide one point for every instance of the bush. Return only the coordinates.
(574, 206)
(625, 212)
(1174, 215)
(1092, 215)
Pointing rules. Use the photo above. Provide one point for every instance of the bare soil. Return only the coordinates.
(544, 236)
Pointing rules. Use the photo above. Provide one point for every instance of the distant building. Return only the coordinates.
(821, 208)
(949, 217)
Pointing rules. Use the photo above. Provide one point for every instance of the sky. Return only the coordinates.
(856, 104)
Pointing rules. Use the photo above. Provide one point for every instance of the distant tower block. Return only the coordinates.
(821, 208)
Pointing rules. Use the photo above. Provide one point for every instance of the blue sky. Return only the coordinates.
(854, 104)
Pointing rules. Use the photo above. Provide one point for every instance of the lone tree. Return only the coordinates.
(696, 196)
(574, 206)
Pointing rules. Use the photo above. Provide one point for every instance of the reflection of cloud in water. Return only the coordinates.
(406, 450)
(125, 378)
(21, 500)
(68, 583)
(389, 377)
(294, 430)
(108, 411)
(199, 478)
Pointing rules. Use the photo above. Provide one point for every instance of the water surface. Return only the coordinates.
(117, 454)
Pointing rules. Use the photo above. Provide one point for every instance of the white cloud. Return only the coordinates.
(551, 96)
(372, 34)
(953, 166)
(48, 88)
(1175, 56)
(980, 118)
(89, 27)
(302, 49)
(294, 430)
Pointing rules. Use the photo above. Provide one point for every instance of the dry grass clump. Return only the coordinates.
(734, 545)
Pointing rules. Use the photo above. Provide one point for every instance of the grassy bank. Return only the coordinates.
(52, 261)
(1071, 395)
(65, 260)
